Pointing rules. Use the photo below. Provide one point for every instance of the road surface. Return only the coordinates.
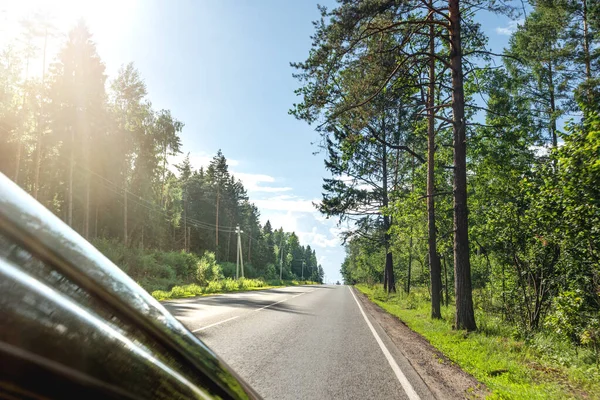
(303, 342)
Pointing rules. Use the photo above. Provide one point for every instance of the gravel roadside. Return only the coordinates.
(445, 379)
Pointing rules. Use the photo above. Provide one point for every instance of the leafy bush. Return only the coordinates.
(183, 263)
(229, 285)
(221, 286)
(271, 273)
(214, 287)
(591, 337)
(161, 295)
(245, 284)
(567, 318)
(193, 290)
(207, 269)
(228, 269)
(250, 271)
(153, 270)
(178, 291)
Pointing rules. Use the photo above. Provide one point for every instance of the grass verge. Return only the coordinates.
(223, 286)
(542, 367)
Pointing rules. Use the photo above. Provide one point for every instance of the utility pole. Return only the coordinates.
(281, 258)
(302, 269)
(240, 258)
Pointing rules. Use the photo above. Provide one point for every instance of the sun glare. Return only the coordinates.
(106, 19)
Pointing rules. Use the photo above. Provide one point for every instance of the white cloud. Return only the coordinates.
(510, 28)
(321, 218)
(288, 221)
(316, 239)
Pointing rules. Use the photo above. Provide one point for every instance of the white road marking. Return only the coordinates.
(215, 324)
(410, 392)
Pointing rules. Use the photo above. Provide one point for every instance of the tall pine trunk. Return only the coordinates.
(553, 133)
(586, 48)
(464, 317)
(434, 260)
(410, 260)
(389, 281)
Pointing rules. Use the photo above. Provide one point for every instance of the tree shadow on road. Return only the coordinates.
(195, 309)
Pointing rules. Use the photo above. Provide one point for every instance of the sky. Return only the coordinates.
(222, 68)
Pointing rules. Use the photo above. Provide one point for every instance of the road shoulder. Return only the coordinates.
(444, 379)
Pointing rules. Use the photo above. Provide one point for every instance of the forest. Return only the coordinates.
(94, 151)
(468, 177)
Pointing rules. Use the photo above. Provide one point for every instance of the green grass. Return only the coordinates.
(223, 286)
(542, 367)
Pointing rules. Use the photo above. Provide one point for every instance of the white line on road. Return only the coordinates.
(215, 324)
(410, 392)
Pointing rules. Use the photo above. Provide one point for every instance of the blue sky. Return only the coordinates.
(222, 67)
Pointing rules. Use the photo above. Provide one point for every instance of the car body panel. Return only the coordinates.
(69, 308)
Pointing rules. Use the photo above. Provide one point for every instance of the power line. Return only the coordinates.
(149, 205)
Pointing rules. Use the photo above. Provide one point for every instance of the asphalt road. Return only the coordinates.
(303, 342)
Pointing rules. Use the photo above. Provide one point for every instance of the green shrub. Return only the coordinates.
(228, 269)
(178, 291)
(194, 290)
(151, 284)
(184, 264)
(229, 285)
(250, 271)
(214, 287)
(161, 295)
(271, 273)
(243, 284)
(207, 269)
(567, 318)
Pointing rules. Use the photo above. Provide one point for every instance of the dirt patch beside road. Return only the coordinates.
(444, 378)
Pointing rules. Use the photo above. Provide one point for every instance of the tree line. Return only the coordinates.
(464, 171)
(96, 153)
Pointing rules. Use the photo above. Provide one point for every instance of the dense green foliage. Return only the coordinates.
(94, 151)
(379, 82)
